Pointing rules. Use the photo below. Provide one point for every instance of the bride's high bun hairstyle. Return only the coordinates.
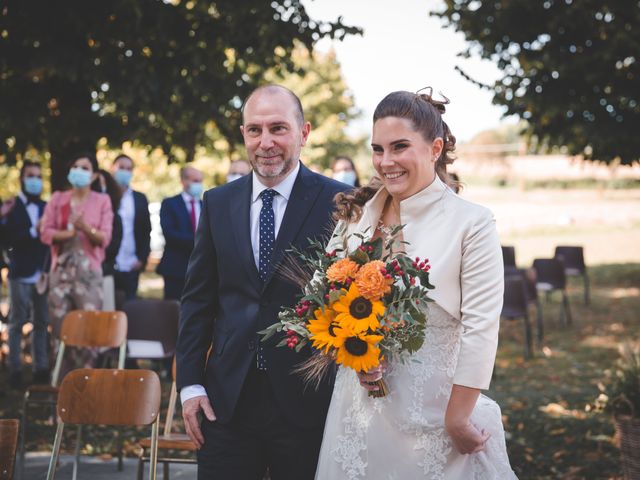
(425, 114)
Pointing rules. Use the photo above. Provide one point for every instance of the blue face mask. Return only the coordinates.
(345, 176)
(195, 189)
(33, 185)
(79, 177)
(123, 177)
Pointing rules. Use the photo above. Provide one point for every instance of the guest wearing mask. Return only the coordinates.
(179, 217)
(105, 183)
(237, 169)
(19, 220)
(77, 225)
(132, 256)
(344, 170)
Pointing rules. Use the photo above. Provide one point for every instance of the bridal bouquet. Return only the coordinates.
(357, 308)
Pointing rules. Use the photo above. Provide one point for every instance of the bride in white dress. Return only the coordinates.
(434, 423)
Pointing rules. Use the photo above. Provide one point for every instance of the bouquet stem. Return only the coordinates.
(382, 391)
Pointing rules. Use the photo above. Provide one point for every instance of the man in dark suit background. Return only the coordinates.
(136, 230)
(179, 216)
(258, 414)
(19, 221)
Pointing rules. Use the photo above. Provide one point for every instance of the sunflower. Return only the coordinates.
(325, 331)
(359, 352)
(356, 312)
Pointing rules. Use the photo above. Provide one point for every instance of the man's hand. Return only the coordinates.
(190, 413)
(136, 267)
(7, 206)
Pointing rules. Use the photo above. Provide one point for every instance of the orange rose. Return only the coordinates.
(341, 270)
(370, 281)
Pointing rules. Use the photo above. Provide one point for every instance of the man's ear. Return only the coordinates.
(306, 128)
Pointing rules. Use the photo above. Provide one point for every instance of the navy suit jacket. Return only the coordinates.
(141, 226)
(225, 303)
(175, 220)
(26, 254)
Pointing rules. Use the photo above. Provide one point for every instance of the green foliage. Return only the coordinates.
(569, 68)
(158, 72)
(621, 395)
(327, 102)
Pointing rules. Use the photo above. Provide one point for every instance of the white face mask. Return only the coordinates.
(233, 176)
(345, 176)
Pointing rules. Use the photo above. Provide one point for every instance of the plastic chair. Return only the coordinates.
(550, 276)
(108, 397)
(531, 295)
(155, 322)
(80, 328)
(572, 258)
(516, 306)
(8, 443)
(168, 440)
(508, 256)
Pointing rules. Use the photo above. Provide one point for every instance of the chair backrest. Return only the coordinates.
(550, 271)
(570, 257)
(508, 256)
(8, 445)
(153, 320)
(515, 297)
(91, 396)
(84, 328)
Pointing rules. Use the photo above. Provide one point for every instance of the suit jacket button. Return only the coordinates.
(252, 345)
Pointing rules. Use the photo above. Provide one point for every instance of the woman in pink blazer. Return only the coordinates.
(77, 225)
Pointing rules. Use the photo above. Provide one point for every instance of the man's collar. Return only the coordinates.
(284, 188)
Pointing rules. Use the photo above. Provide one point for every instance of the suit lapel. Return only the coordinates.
(303, 196)
(240, 205)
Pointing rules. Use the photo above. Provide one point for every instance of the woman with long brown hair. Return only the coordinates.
(434, 423)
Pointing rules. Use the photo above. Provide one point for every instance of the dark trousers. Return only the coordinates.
(173, 287)
(127, 282)
(258, 437)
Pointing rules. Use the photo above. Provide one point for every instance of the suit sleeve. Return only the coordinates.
(144, 238)
(482, 286)
(198, 306)
(173, 236)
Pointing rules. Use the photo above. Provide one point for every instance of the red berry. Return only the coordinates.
(388, 276)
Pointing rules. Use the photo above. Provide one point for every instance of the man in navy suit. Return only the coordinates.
(136, 230)
(257, 414)
(19, 221)
(179, 218)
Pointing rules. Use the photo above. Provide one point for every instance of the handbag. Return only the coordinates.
(42, 284)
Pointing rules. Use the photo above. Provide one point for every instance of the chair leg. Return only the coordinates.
(528, 348)
(53, 462)
(140, 465)
(165, 470)
(119, 447)
(566, 308)
(587, 297)
(76, 460)
(23, 435)
(539, 322)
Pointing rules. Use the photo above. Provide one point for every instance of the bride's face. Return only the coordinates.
(404, 160)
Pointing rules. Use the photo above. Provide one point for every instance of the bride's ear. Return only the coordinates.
(436, 149)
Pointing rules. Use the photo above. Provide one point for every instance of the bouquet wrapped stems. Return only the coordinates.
(382, 391)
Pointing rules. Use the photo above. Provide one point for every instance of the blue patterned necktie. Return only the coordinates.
(267, 240)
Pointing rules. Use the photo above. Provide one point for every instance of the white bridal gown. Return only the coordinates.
(402, 436)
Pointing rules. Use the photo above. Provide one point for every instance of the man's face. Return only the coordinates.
(123, 163)
(273, 135)
(191, 175)
(32, 172)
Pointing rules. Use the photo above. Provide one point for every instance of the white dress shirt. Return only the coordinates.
(280, 201)
(196, 203)
(126, 258)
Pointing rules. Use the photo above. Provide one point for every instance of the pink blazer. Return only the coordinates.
(97, 213)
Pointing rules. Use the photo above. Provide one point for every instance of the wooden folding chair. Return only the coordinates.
(92, 396)
(168, 440)
(80, 328)
(8, 444)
